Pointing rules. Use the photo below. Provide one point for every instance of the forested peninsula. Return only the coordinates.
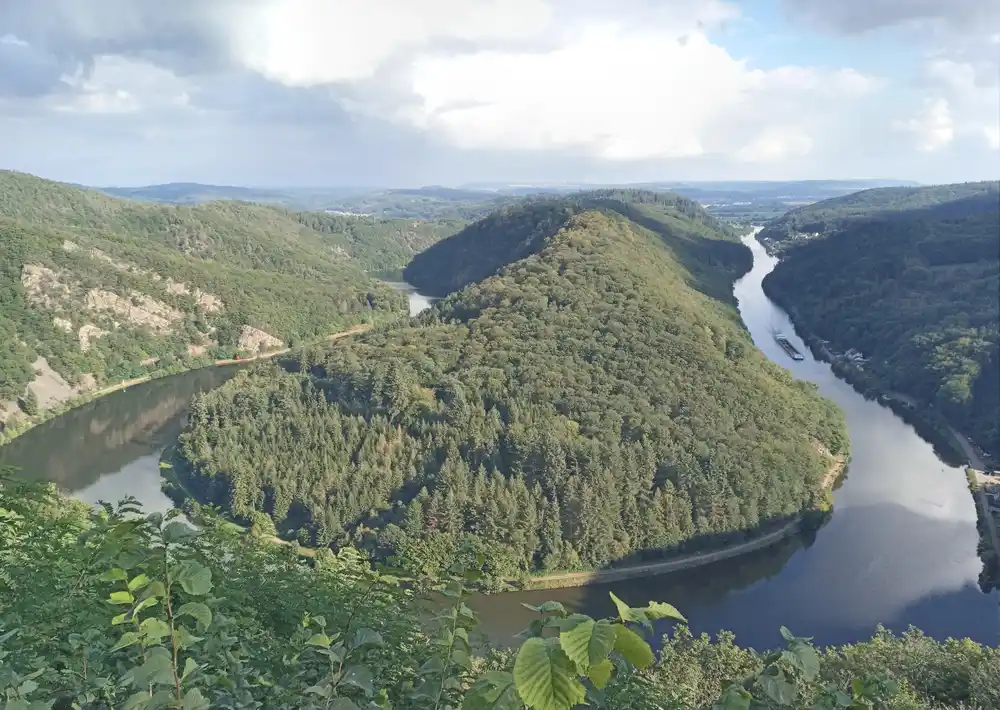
(910, 278)
(95, 289)
(585, 394)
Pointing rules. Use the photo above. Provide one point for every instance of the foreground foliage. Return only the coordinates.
(112, 609)
(915, 290)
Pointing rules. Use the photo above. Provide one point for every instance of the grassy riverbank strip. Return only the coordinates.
(26, 424)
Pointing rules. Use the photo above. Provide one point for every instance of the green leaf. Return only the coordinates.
(805, 658)
(193, 699)
(777, 688)
(138, 582)
(185, 639)
(197, 611)
(735, 698)
(461, 658)
(153, 629)
(628, 614)
(321, 640)
(589, 642)
(121, 618)
(633, 647)
(114, 575)
(157, 670)
(662, 610)
(786, 634)
(600, 673)
(494, 691)
(128, 638)
(545, 677)
(343, 703)
(190, 666)
(549, 607)
(177, 531)
(195, 578)
(360, 677)
(366, 637)
(432, 665)
(27, 687)
(121, 597)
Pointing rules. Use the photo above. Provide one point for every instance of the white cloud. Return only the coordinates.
(115, 85)
(13, 40)
(973, 95)
(933, 127)
(621, 93)
(310, 42)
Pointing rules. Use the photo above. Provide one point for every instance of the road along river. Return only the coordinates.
(900, 548)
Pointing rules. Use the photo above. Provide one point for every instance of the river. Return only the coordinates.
(900, 548)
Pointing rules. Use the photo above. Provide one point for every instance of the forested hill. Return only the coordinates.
(822, 218)
(916, 291)
(515, 231)
(96, 289)
(585, 404)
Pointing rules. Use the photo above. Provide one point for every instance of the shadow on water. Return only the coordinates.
(109, 448)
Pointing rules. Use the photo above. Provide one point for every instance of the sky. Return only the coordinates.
(417, 92)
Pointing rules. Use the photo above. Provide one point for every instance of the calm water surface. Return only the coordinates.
(899, 550)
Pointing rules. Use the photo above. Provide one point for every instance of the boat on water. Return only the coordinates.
(787, 346)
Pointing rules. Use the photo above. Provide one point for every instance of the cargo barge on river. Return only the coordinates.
(783, 341)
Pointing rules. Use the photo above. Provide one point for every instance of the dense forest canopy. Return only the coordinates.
(587, 402)
(825, 217)
(106, 609)
(914, 283)
(110, 289)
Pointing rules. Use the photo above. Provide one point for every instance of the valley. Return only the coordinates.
(588, 391)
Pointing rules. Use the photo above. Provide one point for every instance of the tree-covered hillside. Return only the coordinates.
(106, 289)
(823, 218)
(109, 609)
(916, 290)
(587, 403)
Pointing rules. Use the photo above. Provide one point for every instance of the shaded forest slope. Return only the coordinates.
(585, 403)
(916, 290)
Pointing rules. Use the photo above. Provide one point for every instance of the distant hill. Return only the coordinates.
(192, 193)
(822, 218)
(584, 394)
(104, 289)
(910, 277)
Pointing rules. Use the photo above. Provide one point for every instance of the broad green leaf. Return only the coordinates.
(185, 639)
(138, 582)
(27, 687)
(321, 640)
(432, 665)
(588, 643)
(662, 610)
(567, 623)
(343, 703)
(121, 597)
(777, 688)
(177, 531)
(199, 612)
(190, 666)
(549, 607)
(195, 578)
(114, 575)
(494, 691)
(628, 614)
(633, 647)
(786, 634)
(128, 639)
(366, 637)
(600, 673)
(359, 677)
(121, 618)
(545, 677)
(805, 658)
(153, 629)
(325, 690)
(193, 699)
(735, 698)
(157, 670)
(461, 658)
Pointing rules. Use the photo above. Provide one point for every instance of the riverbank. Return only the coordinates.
(561, 580)
(25, 424)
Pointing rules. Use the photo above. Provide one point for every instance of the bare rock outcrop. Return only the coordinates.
(257, 341)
